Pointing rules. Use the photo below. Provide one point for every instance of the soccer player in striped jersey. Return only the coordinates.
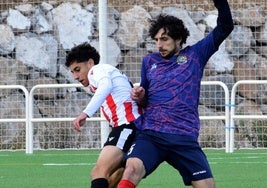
(169, 91)
(111, 90)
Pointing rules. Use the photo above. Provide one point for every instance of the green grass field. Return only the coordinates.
(70, 169)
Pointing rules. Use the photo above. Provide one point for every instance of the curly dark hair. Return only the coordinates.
(82, 53)
(173, 27)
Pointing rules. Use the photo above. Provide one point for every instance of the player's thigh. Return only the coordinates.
(147, 152)
(110, 158)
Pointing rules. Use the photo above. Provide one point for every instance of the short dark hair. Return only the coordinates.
(82, 53)
(173, 26)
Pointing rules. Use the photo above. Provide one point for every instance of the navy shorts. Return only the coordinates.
(181, 152)
(121, 136)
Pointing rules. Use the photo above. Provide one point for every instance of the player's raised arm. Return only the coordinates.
(225, 23)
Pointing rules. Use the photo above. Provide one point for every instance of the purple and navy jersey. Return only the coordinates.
(173, 85)
(172, 89)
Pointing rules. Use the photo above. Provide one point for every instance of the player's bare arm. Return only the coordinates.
(79, 121)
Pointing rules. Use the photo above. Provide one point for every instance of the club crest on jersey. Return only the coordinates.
(181, 59)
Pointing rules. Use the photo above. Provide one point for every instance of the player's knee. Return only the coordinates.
(134, 170)
(96, 172)
(205, 183)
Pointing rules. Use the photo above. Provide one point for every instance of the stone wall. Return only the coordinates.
(35, 38)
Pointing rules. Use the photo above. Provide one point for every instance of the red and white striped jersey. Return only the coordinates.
(111, 90)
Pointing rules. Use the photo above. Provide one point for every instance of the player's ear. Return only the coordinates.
(178, 42)
(91, 62)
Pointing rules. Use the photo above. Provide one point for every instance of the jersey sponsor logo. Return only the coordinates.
(181, 59)
(153, 66)
(199, 172)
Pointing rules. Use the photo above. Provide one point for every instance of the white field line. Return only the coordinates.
(231, 159)
(68, 164)
(65, 154)
(4, 155)
(238, 162)
(57, 164)
(73, 154)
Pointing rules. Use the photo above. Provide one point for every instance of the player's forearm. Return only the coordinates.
(224, 14)
(225, 23)
(141, 102)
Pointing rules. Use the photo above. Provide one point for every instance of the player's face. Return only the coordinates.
(80, 71)
(166, 45)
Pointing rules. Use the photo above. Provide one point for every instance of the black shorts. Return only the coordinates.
(121, 136)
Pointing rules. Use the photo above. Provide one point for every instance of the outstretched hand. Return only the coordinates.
(79, 121)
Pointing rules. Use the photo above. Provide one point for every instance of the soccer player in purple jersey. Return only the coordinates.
(169, 92)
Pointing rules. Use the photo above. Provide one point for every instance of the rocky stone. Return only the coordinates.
(36, 37)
